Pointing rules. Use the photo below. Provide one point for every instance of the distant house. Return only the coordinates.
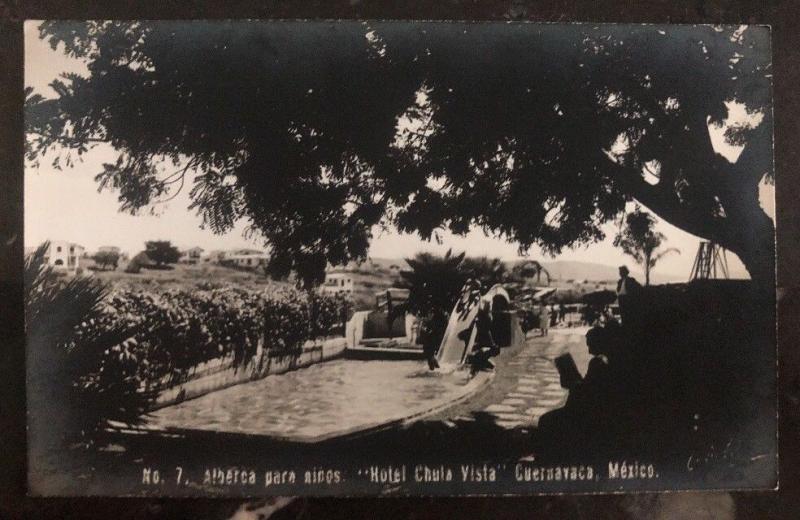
(246, 258)
(244, 252)
(353, 277)
(338, 281)
(191, 256)
(64, 255)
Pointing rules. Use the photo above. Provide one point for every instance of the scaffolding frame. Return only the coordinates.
(710, 262)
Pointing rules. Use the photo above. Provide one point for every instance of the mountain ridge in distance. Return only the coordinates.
(570, 270)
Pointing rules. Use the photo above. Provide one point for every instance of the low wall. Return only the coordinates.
(217, 375)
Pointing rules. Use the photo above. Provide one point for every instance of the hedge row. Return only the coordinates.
(171, 332)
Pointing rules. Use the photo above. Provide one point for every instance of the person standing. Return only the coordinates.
(544, 319)
(627, 290)
(431, 332)
(485, 346)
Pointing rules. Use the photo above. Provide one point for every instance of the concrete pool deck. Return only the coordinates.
(323, 401)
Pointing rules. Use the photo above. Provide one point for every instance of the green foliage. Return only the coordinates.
(639, 240)
(162, 252)
(540, 137)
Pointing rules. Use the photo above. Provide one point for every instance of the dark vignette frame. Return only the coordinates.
(782, 15)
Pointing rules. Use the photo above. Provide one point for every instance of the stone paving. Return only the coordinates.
(535, 387)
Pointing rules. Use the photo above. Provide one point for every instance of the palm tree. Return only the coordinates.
(79, 376)
(489, 271)
(434, 282)
(639, 240)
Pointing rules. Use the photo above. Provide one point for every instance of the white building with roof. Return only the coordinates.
(246, 258)
(191, 255)
(64, 255)
(338, 281)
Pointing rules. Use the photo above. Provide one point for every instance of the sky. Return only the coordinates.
(65, 205)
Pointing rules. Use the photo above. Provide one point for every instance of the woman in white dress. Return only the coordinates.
(544, 319)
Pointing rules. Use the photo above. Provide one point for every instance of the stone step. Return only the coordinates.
(537, 411)
(511, 417)
(510, 425)
(495, 408)
(550, 403)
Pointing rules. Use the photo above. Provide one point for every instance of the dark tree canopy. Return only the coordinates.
(106, 258)
(162, 252)
(535, 133)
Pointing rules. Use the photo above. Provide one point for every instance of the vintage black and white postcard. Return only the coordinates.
(398, 258)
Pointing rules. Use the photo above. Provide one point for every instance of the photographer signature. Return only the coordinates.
(729, 453)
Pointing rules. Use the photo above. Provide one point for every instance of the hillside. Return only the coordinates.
(386, 263)
(563, 270)
(182, 276)
(571, 270)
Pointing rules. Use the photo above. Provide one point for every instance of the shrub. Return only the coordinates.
(327, 314)
(99, 356)
(175, 331)
(206, 285)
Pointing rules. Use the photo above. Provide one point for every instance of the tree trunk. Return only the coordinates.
(755, 246)
(747, 231)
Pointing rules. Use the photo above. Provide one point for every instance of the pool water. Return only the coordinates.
(321, 401)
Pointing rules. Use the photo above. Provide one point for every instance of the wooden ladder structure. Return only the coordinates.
(710, 262)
